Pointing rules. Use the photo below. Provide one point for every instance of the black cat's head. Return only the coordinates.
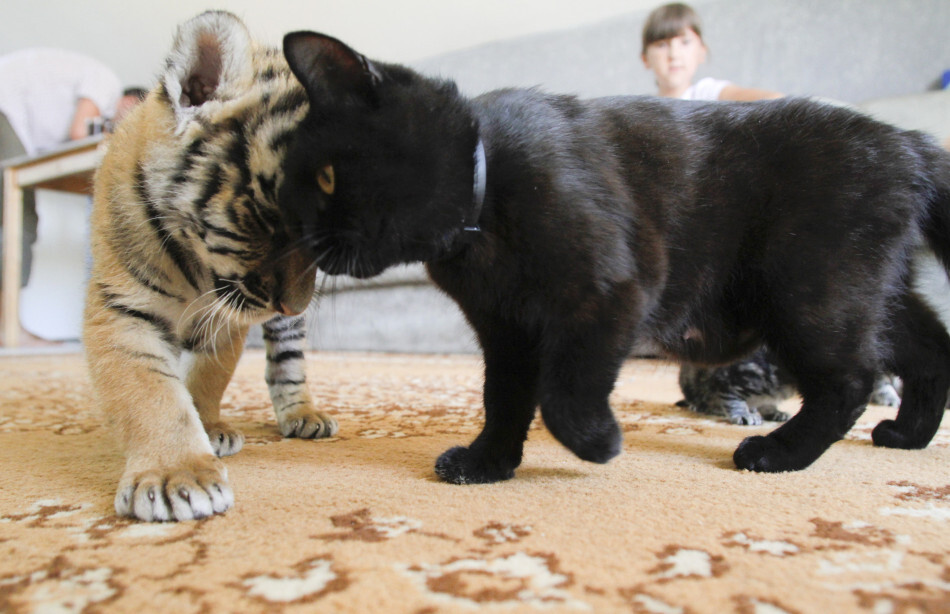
(380, 172)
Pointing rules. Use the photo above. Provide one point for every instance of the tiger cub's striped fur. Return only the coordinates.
(189, 250)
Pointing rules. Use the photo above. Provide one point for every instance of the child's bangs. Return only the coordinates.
(668, 29)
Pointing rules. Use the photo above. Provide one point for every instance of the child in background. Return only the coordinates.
(673, 49)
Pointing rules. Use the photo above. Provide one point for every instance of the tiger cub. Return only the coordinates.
(748, 391)
(189, 250)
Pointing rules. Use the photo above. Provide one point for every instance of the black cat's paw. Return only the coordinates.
(766, 455)
(595, 442)
(888, 434)
(460, 465)
(601, 449)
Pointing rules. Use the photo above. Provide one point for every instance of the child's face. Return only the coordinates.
(675, 60)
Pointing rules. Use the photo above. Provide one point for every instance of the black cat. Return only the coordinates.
(566, 229)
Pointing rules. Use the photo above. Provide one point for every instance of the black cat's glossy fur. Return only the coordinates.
(708, 228)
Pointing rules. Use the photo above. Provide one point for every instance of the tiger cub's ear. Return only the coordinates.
(210, 59)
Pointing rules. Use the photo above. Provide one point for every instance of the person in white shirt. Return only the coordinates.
(49, 96)
(673, 49)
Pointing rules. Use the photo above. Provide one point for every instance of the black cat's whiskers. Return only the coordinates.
(329, 257)
(329, 252)
(352, 260)
(304, 242)
(309, 315)
(354, 263)
(290, 250)
(321, 289)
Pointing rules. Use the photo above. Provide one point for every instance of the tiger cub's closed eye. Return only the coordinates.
(326, 179)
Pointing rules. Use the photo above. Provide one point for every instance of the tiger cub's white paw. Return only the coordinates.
(193, 489)
(306, 423)
(225, 440)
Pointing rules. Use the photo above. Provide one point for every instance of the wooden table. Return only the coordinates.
(68, 169)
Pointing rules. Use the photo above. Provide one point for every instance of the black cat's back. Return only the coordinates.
(696, 209)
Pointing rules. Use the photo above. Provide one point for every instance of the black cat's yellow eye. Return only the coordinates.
(326, 179)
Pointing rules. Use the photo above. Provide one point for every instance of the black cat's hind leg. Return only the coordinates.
(921, 357)
(831, 350)
(831, 403)
(577, 377)
(511, 375)
(822, 322)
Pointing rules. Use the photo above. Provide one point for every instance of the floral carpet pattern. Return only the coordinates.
(359, 523)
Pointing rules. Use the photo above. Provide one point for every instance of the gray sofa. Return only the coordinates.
(928, 112)
(880, 56)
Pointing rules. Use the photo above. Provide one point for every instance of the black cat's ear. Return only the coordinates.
(327, 67)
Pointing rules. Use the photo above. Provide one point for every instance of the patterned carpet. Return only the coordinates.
(359, 523)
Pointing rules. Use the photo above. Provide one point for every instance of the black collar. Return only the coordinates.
(470, 223)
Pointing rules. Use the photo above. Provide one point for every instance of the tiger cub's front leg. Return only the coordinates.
(285, 340)
(171, 470)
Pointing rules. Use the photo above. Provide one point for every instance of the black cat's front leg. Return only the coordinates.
(511, 375)
(578, 374)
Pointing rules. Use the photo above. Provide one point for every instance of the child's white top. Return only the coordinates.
(705, 89)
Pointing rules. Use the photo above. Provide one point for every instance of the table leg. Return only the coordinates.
(12, 256)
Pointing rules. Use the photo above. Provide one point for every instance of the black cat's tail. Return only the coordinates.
(936, 224)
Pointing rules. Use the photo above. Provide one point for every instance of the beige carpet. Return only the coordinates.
(360, 524)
